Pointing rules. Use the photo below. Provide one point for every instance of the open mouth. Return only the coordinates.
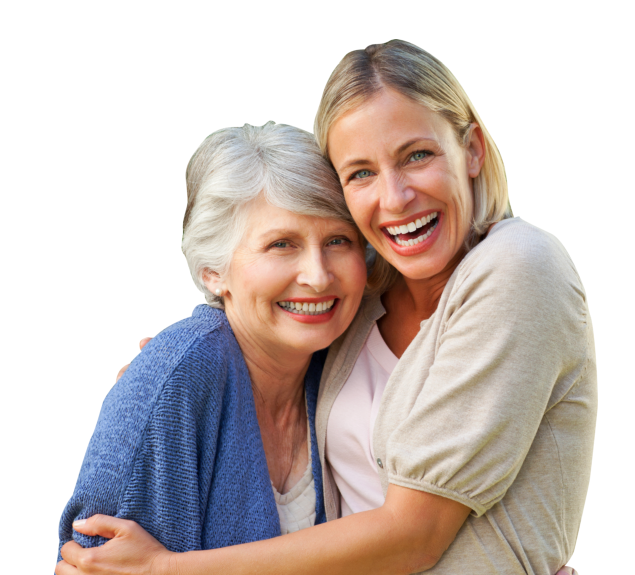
(308, 308)
(414, 232)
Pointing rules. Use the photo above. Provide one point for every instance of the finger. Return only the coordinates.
(567, 571)
(69, 552)
(122, 371)
(64, 568)
(143, 342)
(104, 525)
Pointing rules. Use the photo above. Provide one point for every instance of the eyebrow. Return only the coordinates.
(284, 232)
(400, 149)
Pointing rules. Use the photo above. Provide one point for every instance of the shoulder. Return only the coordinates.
(520, 278)
(191, 355)
(516, 254)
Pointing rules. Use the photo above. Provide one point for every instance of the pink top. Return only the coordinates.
(349, 434)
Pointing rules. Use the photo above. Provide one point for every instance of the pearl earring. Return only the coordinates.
(218, 292)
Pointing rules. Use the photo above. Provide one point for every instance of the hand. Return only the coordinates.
(130, 551)
(567, 571)
(125, 367)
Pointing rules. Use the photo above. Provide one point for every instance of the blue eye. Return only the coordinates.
(338, 241)
(280, 244)
(417, 156)
(362, 174)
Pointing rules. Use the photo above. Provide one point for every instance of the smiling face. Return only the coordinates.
(295, 282)
(407, 181)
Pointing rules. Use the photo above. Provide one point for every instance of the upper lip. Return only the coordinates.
(311, 299)
(412, 218)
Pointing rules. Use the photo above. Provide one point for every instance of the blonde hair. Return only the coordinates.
(414, 73)
(233, 167)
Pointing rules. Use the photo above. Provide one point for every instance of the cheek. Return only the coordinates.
(360, 207)
(354, 275)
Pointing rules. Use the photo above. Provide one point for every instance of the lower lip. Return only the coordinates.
(419, 248)
(323, 318)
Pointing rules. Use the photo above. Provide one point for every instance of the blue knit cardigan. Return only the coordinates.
(177, 447)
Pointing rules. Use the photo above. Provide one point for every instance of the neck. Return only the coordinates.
(277, 375)
(423, 296)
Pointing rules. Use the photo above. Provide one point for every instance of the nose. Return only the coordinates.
(394, 192)
(314, 272)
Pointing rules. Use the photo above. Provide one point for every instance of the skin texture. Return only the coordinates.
(395, 159)
(285, 256)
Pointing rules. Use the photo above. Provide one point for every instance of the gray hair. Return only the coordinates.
(233, 167)
(418, 75)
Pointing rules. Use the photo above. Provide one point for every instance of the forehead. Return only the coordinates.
(265, 220)
(385, 121)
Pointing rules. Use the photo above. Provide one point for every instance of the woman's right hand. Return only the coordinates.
(130, 551)
(125, 367)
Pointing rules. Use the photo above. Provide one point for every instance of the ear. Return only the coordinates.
(213, 281)
(475, 151)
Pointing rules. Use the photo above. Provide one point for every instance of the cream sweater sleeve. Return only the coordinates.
(507, 343)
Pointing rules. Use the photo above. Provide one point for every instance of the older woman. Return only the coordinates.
(209, 439)
(457, 413)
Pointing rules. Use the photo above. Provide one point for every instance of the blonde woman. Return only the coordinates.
(456, 415)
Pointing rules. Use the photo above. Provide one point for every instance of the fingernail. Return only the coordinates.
(79, 522)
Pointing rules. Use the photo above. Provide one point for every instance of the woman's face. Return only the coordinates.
(295, 282)
(407, 181)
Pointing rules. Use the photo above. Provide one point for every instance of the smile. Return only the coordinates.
(307, 308)
(414, 232)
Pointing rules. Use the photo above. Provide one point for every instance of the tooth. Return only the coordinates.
(305, 307)
(411, 242)
(412, 227)
(403, 229)
(297, 306)
(311, 307)
(318, 307)
(331, 302)
(419, 223)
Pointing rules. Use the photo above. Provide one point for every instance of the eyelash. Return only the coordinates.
(275, 245)
(426, 152)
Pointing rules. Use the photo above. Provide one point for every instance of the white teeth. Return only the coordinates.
(411, 226)
(415, 241)
(305, 308)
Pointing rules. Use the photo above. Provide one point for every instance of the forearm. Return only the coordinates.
(369, 543)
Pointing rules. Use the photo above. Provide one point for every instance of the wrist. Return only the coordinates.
(166, 563)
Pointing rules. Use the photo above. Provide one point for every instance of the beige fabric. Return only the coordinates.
(493, 404)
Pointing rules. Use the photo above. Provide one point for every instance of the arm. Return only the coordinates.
(128, 459)
(408, 533)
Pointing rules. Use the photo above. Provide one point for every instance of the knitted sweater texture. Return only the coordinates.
(177, 447)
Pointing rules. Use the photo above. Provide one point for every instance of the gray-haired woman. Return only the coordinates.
(469, 448)
(209, 439)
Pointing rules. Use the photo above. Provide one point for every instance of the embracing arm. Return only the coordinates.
(409, 533)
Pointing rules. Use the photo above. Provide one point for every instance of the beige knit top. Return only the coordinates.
(493, 404)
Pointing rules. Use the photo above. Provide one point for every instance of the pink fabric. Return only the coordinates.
(349, 447)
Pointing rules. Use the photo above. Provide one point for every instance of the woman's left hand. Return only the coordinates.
(130, 551)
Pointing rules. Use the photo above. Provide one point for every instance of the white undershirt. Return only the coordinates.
(349, 435)
(296, 508)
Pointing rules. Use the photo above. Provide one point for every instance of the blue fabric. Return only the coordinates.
(177, 447)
